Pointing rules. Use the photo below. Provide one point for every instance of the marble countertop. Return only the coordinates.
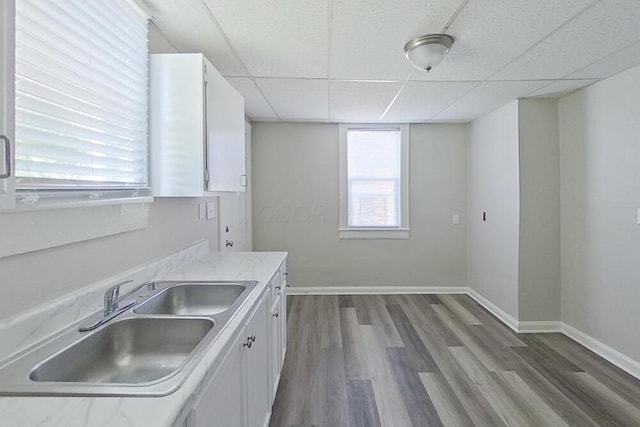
(144, 411)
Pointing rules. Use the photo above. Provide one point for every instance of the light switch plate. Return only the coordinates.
(638, 216)
(211, 210)
(456, 220)
(202, 211)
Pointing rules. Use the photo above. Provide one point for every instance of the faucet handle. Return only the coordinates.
(111, 297)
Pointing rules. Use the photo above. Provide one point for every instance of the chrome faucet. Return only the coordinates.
(112, 301)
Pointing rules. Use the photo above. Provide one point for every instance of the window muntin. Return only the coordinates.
(81, 96)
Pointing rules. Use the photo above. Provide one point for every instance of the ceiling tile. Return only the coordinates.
(256, 107)
(613, 64)
(189, 28)
(490, 34)
(598, 32)
(487, 97)
(368, 35)
(284, 38)
(560, 88)
(420, 101)
(297, 99)
(360, 101)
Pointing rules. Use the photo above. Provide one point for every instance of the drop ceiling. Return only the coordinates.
(343, 60)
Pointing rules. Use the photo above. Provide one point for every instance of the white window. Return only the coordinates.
(81, 100)
(374, 181)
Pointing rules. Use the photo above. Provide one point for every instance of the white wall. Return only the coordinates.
(493, 187)
(600, 195)
(34, 278)
(539, 165)
(296, 201)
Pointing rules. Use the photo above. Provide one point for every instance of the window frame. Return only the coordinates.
(403, 230)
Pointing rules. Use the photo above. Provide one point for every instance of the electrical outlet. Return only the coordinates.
(202, 211)
(211, 210)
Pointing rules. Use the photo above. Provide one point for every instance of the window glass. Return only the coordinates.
(373, 177)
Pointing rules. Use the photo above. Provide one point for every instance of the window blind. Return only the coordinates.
(81, 95)
(373, 177)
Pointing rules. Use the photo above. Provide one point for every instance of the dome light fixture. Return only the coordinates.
(425, 52)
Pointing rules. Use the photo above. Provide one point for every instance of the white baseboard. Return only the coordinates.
(608, 353)
(374, 290)
(505, 317)
(539, 327)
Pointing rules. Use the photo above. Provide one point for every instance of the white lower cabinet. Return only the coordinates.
(277, 331)
(239, 392)
(257, 368)
(242, 389)
(222, 401)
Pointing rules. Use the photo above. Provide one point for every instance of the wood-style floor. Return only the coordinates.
(426, 360)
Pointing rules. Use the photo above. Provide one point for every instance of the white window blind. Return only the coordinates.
(374, 177)
(81, 95)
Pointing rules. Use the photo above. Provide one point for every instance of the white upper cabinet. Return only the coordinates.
(7, 126)
(196, 128)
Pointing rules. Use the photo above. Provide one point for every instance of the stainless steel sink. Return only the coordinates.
(130, 351)
(193, 299)
(146, 346)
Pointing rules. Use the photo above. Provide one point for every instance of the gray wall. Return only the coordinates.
(539, 258)
(296, 202)
(600, 195)
(493, 187)
(37, 277)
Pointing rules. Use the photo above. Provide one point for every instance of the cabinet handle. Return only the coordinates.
(253, 338)
(247, 344)
(228, 243)
(276, 314)
(7, 157)
(278, 287)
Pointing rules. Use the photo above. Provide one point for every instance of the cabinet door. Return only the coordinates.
(225, 129)
(275, 335)
(7, 126)
(257, 367)
(221, 403)
(176, 125)
(282, 328)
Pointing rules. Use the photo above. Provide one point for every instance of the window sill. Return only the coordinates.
(374, 233)
(44, 201)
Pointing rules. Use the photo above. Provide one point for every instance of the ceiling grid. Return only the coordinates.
(342, 60)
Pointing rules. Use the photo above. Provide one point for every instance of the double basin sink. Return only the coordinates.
(149, 349)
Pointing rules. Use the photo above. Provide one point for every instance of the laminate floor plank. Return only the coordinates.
(426, 360)
(449, 408)
(593, 407)
(508, 410)
(328, 320)
(420, 358)
(363, 411)
(536, 409)
(465, 336)
(464, 388)
(613, 377)
(489, 320)
(425, 317)
(419, 405)
(392, 410)
(356, 362)
(462, 312)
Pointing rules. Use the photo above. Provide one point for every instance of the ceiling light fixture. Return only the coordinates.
(425, 52)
